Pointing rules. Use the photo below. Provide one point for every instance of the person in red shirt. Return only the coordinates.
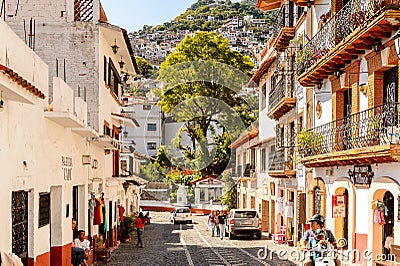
(140, 228)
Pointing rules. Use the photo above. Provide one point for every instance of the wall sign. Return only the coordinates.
(361, 175)
(67, 167)
(338, 206)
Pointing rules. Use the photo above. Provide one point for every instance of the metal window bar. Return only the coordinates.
(375, 126)
(355, 14)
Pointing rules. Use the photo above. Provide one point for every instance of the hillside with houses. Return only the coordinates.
(241, 23)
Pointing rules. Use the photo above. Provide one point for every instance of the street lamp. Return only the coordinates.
(396, 39)
(121, 63)
(115, 47)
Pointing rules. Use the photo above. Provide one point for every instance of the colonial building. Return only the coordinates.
(346, 60)
(277, 83)
(353, 149)
(62, 121)
(150, 135)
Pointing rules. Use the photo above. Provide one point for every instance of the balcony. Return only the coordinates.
(283, 27)
(23, 74)
(267, 5)
(282, 165)
(368, 137)
(349, 33)
(249, 170)
(62, 110)
(106, 142)
(281, 97)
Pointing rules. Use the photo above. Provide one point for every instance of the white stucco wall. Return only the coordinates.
(362, 208)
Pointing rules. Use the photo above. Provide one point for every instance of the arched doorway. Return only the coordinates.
(383, 190)
(388, 201)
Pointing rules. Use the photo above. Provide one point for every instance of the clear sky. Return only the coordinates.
(133, 14)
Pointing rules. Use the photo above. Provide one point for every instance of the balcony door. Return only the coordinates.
(390, 97)
(391, 91)
(347, 120)
(291, 14)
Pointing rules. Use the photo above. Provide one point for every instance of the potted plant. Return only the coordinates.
(309, 142)
(127, 228)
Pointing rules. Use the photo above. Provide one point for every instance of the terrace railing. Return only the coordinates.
(356, 13)
(285, 18)
(283, 89)
(372, 127)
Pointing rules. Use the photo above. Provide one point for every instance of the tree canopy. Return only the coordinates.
(202, 79)
(145, 68)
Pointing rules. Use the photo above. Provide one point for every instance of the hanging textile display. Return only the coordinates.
(279, 206)
(380, 211)
(289, 206)
(105, 221)
(98, 212)
(121, 212)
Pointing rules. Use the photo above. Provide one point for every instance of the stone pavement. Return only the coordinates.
(158, 248)
(190, 244)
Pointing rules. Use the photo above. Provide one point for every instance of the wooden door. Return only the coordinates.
(265, 215)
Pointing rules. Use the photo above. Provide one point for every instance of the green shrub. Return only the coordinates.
(309, 142)
(127, 227)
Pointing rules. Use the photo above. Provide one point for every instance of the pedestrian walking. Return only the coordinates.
(140, 220)
(221, 220)
(211, 221)
(217, 222)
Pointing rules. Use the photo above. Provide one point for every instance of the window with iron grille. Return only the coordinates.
(44, 209)
(263, 159)
(151, 127)
(317, 200)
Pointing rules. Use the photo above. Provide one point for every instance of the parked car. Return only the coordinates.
(181, 214)
(243, 222)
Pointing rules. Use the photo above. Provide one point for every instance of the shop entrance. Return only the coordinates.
(342, 223)
(388, 201)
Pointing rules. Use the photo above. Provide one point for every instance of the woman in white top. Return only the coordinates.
(389, 242)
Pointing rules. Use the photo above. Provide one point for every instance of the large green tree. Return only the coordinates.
(202, 79)
(145, 68)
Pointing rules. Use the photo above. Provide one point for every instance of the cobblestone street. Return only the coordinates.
(190, 244)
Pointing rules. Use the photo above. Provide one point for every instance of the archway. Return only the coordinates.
(343, 186)
(342, 223)
(383, 190)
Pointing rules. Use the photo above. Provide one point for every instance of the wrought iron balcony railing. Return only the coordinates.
(356, 13)
(283, 89)
(283, 159)
(372, 127)
(285, 18)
